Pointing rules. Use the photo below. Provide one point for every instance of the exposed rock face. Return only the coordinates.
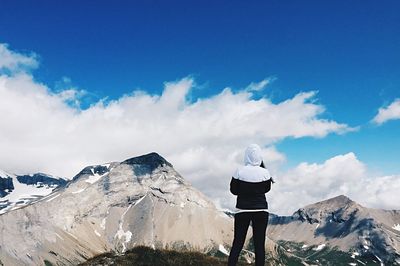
(341, 222)
(147, 163)
(141, 201)
(6, 185)
(41, 179)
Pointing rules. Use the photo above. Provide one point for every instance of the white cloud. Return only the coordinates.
(13, 61)
(390, 112)
(42, 131)
(259, 86)
(343, 174)
(72, 96)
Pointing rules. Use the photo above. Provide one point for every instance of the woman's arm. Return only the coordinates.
(267, 185)
(234, 186)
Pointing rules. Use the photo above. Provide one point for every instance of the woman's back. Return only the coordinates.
(251, 195)
(250, 182)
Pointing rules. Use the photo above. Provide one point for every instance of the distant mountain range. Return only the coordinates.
(144, 201)
(340, 226)
(20, 190)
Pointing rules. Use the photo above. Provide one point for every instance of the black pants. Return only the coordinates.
(259, 222)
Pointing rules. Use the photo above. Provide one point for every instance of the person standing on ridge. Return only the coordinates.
(250, 183)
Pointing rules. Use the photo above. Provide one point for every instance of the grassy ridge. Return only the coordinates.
(145, 256)
(285, 253)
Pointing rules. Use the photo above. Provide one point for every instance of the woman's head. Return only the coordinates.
(252, 155)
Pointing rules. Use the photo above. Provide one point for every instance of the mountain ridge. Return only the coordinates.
(144, 201)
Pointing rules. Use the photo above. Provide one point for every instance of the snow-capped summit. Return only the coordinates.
(17, 191)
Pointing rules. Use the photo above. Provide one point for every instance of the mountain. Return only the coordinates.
(340, 224)
(108, 210)
(114, 207)
(17, 191)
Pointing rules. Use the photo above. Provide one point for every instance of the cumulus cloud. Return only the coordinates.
(343, 174)
(40, 130)
(387, 113)
(12, 61)
(35, 119)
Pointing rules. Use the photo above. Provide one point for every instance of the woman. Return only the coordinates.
(250, 183)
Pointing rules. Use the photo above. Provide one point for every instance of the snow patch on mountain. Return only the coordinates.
(380, 260)
(354, 254)
(223, 249)
(126, 235)
(52, 198)
(103, 223)
(5, 174)
(97, 233)
(78, 191)
(94, 178)
(23, 194)
(320, 247)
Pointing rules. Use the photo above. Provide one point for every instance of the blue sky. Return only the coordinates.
(348, 51)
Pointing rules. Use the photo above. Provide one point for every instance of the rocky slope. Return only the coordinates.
(116, 206)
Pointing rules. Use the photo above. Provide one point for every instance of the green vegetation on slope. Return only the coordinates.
(145, 256)
(285, 253)
(326, 256)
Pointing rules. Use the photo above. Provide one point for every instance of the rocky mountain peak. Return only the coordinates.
(152, 159)
(338, 208)
(338, 200)
(146, 164)
(333, 204)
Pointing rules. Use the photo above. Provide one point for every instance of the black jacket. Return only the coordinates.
(250, 195)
